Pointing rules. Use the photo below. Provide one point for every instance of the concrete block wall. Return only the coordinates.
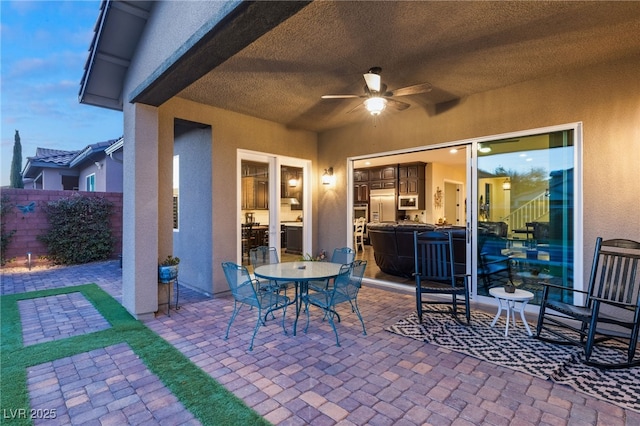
(28, 225)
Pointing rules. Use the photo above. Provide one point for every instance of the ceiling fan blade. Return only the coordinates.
(356, 108)
(373, 81)
(400, 106)
(339, 96)
(412, 90)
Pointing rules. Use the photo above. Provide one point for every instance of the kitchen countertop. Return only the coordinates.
(293, 224)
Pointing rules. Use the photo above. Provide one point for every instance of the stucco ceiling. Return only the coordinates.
(461, 48)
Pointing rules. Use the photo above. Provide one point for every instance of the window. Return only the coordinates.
(91, 183)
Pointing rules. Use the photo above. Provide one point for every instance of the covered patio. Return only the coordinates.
(378, 379)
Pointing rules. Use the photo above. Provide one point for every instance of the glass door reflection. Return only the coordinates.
(525, 211)
(255, 206)
(291, 212)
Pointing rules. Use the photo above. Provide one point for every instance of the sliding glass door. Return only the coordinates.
(525, 209)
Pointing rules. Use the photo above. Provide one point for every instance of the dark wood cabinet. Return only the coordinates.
(361, 175)
(294, 239)
(382, 173)
(411, 179)
(382, 184)
(261, 194)
(383, 177)
(255, 186)
(361, 186)
(288, 191)
(361, 192)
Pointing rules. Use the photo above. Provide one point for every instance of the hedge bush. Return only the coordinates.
(79, 229)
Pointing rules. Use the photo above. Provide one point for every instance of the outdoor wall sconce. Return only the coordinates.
(327, 176)
(506, 185)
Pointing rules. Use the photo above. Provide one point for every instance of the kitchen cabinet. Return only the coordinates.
(255, 186)
(361, 192)
(255, 194)
(361, 175)
(361, 186)
(382, 177)
(383, 173)
(411, 179)
(288, 191)
(294, 239)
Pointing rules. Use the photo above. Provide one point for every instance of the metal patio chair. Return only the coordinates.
(343, 255)
(247, 291)
(344, 289)
(264, 255)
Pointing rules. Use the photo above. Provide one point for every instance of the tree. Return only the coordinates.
(16, 164)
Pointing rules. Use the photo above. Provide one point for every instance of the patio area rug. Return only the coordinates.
(526, 354)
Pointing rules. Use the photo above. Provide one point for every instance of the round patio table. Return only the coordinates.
(300, 273)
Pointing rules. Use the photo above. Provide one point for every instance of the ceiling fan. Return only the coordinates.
(376, 95)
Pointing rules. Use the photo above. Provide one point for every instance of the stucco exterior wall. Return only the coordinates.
(52, 179)
(230, 132)
(113, 175)
(605, 98)
(192, 240)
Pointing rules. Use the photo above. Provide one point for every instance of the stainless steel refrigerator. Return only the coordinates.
(382, 205)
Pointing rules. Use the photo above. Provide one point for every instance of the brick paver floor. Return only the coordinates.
(377, 379)
(108, 386)
(56, 317)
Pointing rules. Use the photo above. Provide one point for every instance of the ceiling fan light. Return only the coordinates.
(375, 105)
(373, 81)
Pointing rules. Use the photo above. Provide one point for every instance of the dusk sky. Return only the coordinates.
(44, 47)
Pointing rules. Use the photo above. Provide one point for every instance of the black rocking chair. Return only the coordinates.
(435, 273)
(611, 309)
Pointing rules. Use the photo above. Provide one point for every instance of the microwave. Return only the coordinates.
(407, 202)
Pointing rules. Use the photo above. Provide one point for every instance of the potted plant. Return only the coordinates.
(168, 269)
(320, 258)
(510, 288)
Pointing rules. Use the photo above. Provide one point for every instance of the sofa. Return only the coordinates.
(393, 246)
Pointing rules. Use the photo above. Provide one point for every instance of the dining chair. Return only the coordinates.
(435, 273)
(248, 238)
(341, 255)
(345, 288)
(247, 291)
(264, 255)
(358, 234)
(610, 311)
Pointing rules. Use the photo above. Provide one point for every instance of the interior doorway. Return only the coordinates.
(453, 196)
(274, 207)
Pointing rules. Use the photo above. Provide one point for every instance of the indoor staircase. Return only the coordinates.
(535, 210)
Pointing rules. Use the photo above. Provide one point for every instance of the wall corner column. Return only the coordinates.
(140, 211)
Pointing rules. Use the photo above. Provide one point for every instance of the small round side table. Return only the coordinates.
(508, 302)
